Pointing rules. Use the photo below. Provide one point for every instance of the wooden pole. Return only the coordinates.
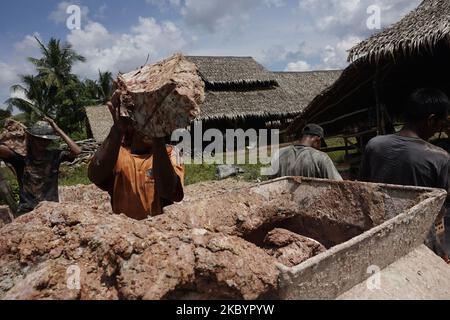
(381, 127)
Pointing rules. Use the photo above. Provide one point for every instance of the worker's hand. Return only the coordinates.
(121, 123)
(52, 123)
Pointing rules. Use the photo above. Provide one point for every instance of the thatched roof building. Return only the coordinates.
(241, 88)
(368, 95)
(417, 33)
(241, 93)
(99, 122)
(303, 87)
(231, 72)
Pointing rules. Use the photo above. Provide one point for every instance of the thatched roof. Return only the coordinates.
(99, 122)
(222, 72)
(410, 54)
(240, 88)
(303, 87)
(294, 91)
(248, 103)
(343, 96)
(418, 32)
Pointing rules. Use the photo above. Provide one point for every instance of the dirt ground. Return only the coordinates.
(43, 253)
(226, 240)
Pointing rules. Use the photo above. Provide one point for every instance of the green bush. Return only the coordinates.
(70, 176)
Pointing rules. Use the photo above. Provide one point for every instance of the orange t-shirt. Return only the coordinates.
(133, 192)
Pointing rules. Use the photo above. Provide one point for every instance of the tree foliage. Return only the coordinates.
(56, 91)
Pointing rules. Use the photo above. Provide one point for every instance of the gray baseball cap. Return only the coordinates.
(315, 130)
(42, 130)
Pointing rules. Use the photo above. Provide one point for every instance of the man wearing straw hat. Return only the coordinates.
(37, 171)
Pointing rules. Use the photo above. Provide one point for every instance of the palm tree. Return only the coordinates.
(4, 114)
(53, 87)
(99, 91)
(38, 99)
(104, 84)
(55, 65)
(55, 91)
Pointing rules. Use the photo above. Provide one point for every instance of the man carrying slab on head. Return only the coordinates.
(142, 175)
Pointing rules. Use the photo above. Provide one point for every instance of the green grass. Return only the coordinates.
(69, 176)
(12, 181)
(196, 173)
(338, 156)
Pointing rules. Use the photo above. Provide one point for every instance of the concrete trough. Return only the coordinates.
(371, 226)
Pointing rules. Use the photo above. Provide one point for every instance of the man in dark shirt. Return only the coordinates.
(406, 158)
(37, 172)
(444, 143)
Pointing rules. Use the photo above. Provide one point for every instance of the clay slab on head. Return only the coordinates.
(164, 96)
(14, 136)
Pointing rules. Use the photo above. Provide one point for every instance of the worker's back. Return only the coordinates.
(396, 159)
(304, 161)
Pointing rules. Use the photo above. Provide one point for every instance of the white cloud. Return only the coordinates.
(316, 32)
(298, 66)
(28, 43)
(60, 15)
(335, 57)
(343, 16)
(213, 15)
(8, 74)
(124, 52)
(327, 29)
(101, 12)
(164, 4)
(274, 3)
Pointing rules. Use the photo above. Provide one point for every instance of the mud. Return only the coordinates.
(225, 245)
(291, 249)
(330, 215)
(124, 259)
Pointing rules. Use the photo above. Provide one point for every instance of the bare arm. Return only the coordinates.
(105, 159)
(74, 148)
(6, 153)
(166, 180)
(102, 165)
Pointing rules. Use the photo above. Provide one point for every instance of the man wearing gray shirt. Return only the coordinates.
(305, 158)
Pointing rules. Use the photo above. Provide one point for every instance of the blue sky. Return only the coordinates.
(283, 35)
